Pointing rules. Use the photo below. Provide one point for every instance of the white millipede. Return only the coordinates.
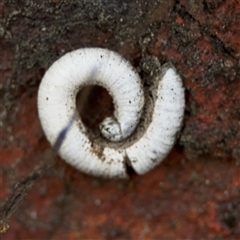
(143, 149)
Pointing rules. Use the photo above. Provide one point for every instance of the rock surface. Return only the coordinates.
(197, 187)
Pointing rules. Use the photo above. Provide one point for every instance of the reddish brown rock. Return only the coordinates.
(195, 191)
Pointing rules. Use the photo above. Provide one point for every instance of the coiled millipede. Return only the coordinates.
(145, 123)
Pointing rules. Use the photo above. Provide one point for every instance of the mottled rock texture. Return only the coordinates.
(195, 192)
